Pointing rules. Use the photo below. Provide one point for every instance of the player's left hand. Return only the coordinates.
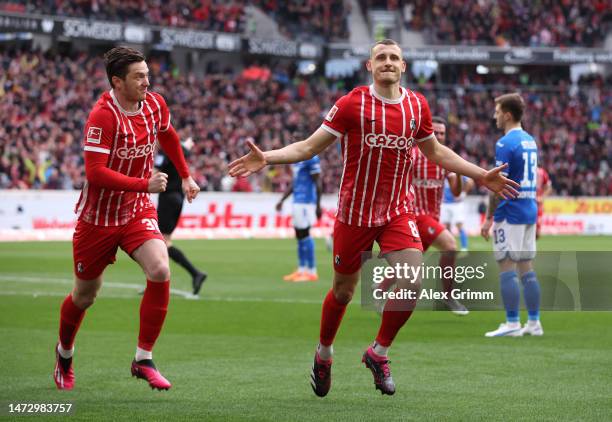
(495, 181)
(190, 188)
(486, 228)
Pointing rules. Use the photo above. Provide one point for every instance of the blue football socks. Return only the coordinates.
(511, 294)
(531, 293)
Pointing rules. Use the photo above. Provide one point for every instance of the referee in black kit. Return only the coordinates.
(169, 209)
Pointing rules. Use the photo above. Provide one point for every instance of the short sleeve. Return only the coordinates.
(100, 131)
(337, 119)
(502, 155)
(425, 127)
(315, 166)
(164, 124)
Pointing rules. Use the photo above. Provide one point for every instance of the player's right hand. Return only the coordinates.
(279, 206)
(486, 228)
(158, 182)
(248, 164)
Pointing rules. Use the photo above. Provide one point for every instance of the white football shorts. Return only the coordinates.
(304, 215)
(452, 213)
(517, 241)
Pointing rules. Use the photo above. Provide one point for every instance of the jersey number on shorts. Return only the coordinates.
(413, 228)
(499, 236)
(530, 169)
(150, 224)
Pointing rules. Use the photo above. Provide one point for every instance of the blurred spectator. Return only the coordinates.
(210, 15)
(325, 20)
(305, 19)
(540, 23)
(44, 99)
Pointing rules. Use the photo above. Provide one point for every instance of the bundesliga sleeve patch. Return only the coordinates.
(331, 114)
(94, 135)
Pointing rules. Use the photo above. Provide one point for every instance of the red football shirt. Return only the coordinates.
(428, 181)
(377, 135)
(129, 140)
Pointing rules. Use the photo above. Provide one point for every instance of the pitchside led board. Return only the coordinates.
(244, 215)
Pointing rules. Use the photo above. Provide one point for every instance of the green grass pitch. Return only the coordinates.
(244, 350)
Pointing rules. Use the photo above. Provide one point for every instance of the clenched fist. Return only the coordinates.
(158, 182)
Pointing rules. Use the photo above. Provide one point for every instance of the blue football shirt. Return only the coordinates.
(304, 187)
(520, 151)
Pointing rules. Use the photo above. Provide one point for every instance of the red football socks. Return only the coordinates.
(331, 317)
(395, 315)
(153, 309)
(70, 321)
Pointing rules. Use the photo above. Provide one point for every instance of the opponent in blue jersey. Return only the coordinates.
(514, 220)
(306, 189)
(453, 209)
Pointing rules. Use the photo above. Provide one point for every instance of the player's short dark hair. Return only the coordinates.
(439, 120)
(512, 103)
(386, 41)
(118, 59)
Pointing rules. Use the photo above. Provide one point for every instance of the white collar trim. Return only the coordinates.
(388, 100)
(121, 109)
(514, 128)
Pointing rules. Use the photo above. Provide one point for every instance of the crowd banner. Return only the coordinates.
(49, 215)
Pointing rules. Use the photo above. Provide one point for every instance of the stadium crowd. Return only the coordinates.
(211, 15)
(538, 23)
(326, 20)
(44, 100)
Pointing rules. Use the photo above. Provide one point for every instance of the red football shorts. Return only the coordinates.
(540, 215)
(95, 247)
(351, 241)
(429, 229)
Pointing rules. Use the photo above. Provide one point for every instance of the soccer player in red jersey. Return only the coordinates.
(543, 189)
(115, 208)
(428, 181)
(377, 126)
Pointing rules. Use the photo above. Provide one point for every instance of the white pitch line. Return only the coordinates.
(130, 286)
(50, 280)
(36, 294)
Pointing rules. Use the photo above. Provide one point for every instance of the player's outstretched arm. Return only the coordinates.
(257, 159)
(493, 179)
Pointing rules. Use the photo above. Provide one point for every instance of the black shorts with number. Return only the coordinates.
(169, 209)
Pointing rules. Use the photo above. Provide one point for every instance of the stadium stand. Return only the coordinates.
(44, 98)
(212, 15)
(303, 19)
(504, 23)
(307, 20)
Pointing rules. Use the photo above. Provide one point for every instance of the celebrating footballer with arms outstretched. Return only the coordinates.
(115, 208)
(377, 126)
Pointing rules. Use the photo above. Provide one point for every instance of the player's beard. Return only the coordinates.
(386, 78)
(137, 94)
